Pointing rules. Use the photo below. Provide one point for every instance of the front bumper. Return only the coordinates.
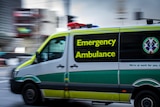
(16, 87)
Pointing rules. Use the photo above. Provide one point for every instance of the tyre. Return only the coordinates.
(31, 94)
(147, 99)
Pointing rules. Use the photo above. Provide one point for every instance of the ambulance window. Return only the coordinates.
(140, 46)
(96, 47)
(54, 49)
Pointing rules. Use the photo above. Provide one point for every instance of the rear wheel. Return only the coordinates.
(147, 99)
(31, 94)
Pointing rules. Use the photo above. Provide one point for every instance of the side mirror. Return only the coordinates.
(37, 57)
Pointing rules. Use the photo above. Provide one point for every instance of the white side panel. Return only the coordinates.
(139, 65)
(87, 66)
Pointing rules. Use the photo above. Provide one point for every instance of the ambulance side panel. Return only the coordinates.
(139, 59)
(93, 65)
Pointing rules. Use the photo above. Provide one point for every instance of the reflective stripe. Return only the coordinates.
(53, 93)
(139, 28)
(124, 97)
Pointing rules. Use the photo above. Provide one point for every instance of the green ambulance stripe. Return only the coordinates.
(99, 76)
(148, 77)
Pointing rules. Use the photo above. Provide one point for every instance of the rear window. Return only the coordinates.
(140, 46)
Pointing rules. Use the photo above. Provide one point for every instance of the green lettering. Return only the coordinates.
(96, 54)
(113, 54)
(79, 42)
(78, 55)
(113, 42)
(96, 43)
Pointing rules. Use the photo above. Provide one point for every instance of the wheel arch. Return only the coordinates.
(28, 79)
(145, 87)
(31, 78)
(145, 84)
(27, 82)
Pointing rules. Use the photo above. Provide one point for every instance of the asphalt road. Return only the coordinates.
(9, 99)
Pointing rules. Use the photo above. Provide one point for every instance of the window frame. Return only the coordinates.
(48, 45)
(140, 36)
(100, 36)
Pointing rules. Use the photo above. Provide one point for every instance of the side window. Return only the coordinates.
(140, 46)
(53, 50)
(96, 47)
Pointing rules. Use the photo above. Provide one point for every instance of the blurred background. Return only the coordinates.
(25, 24)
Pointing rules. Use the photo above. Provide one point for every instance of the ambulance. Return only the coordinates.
(116, 64)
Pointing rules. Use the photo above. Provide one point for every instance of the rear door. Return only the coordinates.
(93, 65)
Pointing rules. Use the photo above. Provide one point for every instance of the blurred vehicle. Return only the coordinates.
(2, 62)
(12, 59)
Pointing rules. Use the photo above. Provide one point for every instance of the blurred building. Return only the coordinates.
(33, 26)
(7, 30)
(24, 29)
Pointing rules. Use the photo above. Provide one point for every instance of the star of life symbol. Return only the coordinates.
(151, 45)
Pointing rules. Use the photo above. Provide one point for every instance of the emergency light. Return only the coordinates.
(75, 25)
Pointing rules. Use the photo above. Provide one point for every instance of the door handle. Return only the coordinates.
(74, 66)
(60, 66)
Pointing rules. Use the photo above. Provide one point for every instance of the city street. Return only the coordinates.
(9, 99)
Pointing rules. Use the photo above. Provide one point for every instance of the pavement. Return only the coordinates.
(5, 71)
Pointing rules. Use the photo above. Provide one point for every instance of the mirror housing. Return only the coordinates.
(37, 57)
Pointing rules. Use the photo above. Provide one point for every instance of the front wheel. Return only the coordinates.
(31, 94)
(147, 99)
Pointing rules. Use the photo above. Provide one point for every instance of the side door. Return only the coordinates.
(53, 67)
(93, 66)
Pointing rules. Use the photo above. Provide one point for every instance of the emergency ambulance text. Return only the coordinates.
(96, 43)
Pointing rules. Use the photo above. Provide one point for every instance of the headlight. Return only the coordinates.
(14, 73)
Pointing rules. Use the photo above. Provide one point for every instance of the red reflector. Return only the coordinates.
(124, 91)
